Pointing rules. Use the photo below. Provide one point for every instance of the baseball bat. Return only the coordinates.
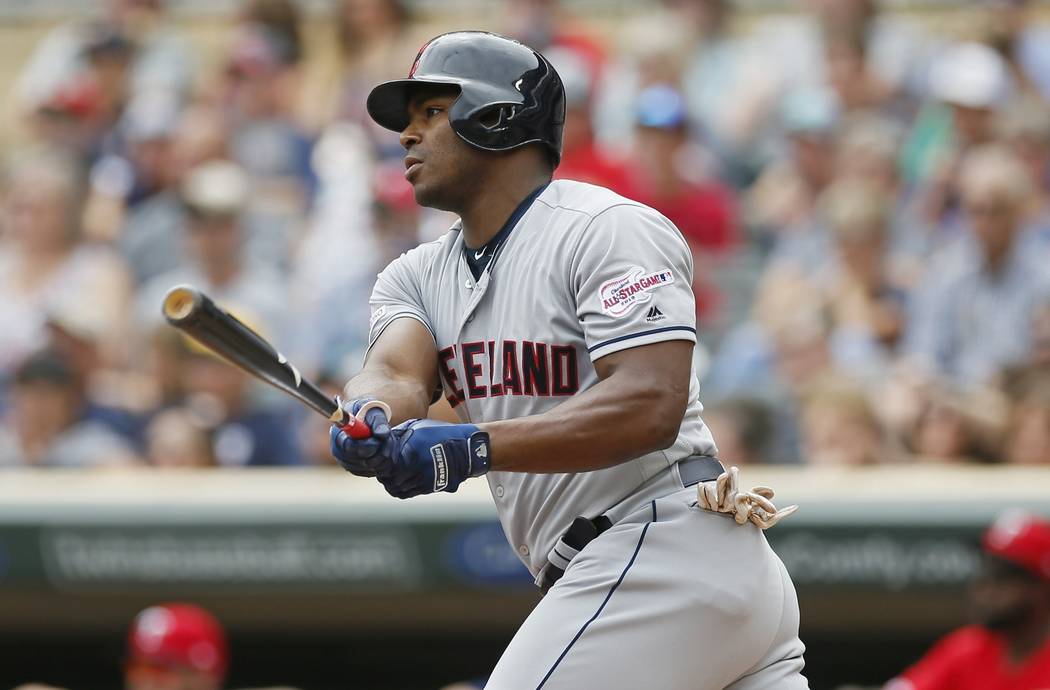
(195, 314)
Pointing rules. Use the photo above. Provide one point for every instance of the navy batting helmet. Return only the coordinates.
(509, 95)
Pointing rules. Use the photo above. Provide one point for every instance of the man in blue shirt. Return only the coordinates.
(972, 313)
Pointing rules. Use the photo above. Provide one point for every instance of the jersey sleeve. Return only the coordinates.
(397, 295)
(632, 273)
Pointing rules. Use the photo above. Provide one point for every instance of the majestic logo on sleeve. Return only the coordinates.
(621, 294)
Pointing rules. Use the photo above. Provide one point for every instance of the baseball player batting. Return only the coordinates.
(557, 319)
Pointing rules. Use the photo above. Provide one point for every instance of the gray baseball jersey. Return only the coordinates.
(584, 273)
(670, 596)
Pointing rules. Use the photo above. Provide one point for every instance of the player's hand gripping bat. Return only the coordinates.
(193, 312)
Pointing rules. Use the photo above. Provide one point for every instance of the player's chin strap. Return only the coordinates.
(724, 496)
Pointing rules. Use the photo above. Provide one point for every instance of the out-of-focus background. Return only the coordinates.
(865, 187)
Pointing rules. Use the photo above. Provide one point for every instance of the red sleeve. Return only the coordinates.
(946, 661)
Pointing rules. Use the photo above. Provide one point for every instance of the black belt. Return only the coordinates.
(699, 468)
(693, 470)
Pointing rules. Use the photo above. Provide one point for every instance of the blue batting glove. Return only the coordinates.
(435, 456)
(364, 457)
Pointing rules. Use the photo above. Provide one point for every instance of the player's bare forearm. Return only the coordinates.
(401, 370)
(635, 409)
(406, 397)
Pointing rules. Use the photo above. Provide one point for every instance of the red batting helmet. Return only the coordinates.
(1021, 539)
(179, 636)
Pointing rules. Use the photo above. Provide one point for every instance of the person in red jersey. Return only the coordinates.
(1009, 648)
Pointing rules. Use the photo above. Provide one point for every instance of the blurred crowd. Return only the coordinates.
(867, 196)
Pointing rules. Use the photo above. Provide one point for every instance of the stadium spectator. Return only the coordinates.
(1014, 32)
(162, 59)
(340, 216)
(730, 86)
(546, 24)
(110, 397)
(201, 136)
(373, 38)
(866, 301)
(78, 114)
(1028, 432)
(1025, 128)
(582, 158)
(47, 423)
(649, 51)
(281, 17)
(207, 413)
(133, 200)
(840, 427)
(744, 428)
(165, 365)
(214, 196)
(867, 149)
(782, 203)
(969, 85)
(244, 427)
(973, 312)
(671, 175)
(1009, 646)
(850, 75)
(176, 437)
(109, 53)
(1040, 354)
(775, 355)
(956, 426)
(895, 48)
(44, 266)
(65, 120)
(259, 94)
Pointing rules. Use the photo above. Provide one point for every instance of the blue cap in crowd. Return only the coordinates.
(660, 107)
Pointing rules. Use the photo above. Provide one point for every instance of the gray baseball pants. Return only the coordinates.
(671, 597)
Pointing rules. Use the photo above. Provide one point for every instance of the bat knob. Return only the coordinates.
(355, 426)
(356, 429)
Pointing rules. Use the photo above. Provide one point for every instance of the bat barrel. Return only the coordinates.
(193, 313)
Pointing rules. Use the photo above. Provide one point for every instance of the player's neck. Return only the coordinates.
(494, 202)
(1022, 643)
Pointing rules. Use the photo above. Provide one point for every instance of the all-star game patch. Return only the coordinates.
(621, 294)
